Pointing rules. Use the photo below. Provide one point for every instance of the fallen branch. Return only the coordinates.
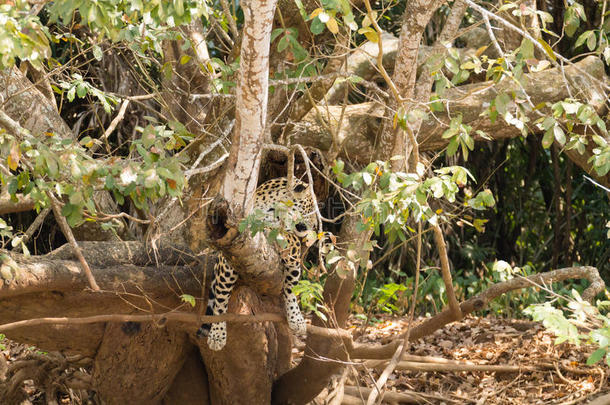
(409, 397)
(460, 366)
(161, 320)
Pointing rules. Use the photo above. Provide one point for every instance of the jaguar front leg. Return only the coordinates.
(291, 258)
(218, 301)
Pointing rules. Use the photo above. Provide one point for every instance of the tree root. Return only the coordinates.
(51, 371)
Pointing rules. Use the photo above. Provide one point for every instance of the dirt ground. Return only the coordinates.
(555, 375)
(545, 373)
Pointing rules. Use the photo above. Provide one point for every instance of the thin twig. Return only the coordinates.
(32, 228)
(113, 124)
(384, 73)
(172, 316)
(65, 228)
(307, 79)
(229, 16)
(200, 170)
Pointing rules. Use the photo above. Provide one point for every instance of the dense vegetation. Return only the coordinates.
(475, 142)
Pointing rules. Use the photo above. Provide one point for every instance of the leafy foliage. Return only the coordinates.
(582, 315)
(310, 297)
(389, 199)
(22, 36)
(50, 164)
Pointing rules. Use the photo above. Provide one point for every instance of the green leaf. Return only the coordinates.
(592, 42)
(548, 49)
(97, 52)
(71, 93)
(582, 38)
(502, 100)
(596, 356)
(317, 26)
(369, 33)
(559, 135)
(547, 139)
(452, 65)
(189, 299)
(81, 90)
(282, 44)
(275, 33)
(527, 49)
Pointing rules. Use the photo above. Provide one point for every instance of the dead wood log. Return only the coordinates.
(7, 206)
(36, 287)
(358, 132)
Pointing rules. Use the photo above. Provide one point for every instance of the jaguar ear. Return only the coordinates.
(299, 188)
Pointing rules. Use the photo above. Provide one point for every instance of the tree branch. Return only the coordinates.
(65, 228)
(446, 272)
(363, 120)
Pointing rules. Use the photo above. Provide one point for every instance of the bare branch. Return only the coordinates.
(162, 319)
(65, 228)
(535, 42)
(461, 366)
(446, 272)
(113, 124)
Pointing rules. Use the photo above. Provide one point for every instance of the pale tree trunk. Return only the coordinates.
(244, 371)
(250, 108)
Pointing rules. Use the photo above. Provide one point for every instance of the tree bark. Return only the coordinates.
(23, 102)
(124, 372)
(241, 176)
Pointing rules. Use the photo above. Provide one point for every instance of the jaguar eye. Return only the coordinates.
(299, 187)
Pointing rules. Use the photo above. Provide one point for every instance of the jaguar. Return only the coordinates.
(297, 218)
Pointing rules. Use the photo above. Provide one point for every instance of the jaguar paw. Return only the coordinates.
(297, 323)
(218, 336)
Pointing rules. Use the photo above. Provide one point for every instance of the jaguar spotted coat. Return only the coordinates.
(299, 207)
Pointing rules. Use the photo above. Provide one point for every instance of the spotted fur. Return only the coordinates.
(299, 205)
